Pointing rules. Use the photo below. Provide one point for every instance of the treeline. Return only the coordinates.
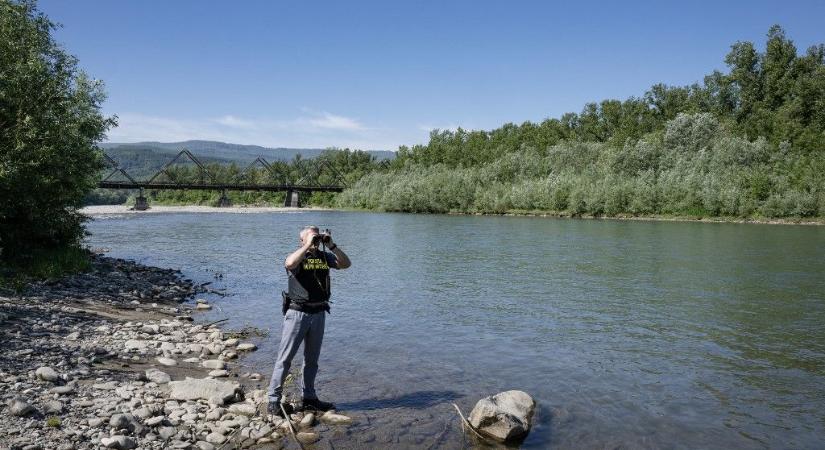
(749, 142)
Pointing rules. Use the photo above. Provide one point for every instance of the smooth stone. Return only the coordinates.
(202, 389)
(123, 422)
(152, 421)
(53, 407)
(167, 433)
(150, 329)
(219, 373)
(46, 373)
(73, 336)
(203, 445)
(215, 438)
(20, 408)
(213, 364)
(167, 361)
(215, 414)
(119, 442)
(157, 376)
(244, 409)
(307, 437)
(506, 416)
(307, 421)
(203, 306)
(246, 347)
(62, 390)
(332, 418)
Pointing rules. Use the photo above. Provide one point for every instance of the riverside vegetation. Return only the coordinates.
(748, 143)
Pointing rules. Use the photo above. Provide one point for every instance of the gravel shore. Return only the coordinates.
(113, 359)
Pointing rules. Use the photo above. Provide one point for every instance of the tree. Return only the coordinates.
(50, 122)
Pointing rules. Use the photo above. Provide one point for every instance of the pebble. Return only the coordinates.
(218, 373)
(203, 307)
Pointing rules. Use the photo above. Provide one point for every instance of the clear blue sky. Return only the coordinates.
(378, 74)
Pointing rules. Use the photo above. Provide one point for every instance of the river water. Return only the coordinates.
(629, 334)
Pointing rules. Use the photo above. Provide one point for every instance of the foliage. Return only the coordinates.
(695, 168)
(53, 422)
(49, 123)
(746, 143)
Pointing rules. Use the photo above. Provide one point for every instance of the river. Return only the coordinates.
(631, 334)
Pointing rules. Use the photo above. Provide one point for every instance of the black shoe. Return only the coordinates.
(273, 409)
(313, 404)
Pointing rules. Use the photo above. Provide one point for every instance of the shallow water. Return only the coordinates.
(628, 334)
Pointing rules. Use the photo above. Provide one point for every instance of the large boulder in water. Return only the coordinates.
(205, 389)
(506, 416)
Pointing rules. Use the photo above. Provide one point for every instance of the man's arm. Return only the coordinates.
(295, 258)
(342, 258)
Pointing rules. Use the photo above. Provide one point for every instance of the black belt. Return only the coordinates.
(309, 307)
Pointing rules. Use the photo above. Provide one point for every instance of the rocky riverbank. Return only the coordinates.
(113, 358)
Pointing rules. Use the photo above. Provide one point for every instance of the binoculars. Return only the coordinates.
(322, 237)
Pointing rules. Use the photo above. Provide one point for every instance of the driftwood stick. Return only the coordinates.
(289, 424)
(215, 323)
(466, 424)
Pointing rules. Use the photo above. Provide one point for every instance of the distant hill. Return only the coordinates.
(144, 158)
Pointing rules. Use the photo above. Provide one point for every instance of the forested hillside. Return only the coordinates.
(749, 142)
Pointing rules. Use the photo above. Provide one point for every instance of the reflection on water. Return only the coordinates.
(628, 334)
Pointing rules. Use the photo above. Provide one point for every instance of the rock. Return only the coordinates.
(53, 407)
(95, 422)
(62, 390)
(73, 336)
(123, 422)
(205, 389)
(213, 364)
(215, 438)
(167, 433)
(505, 416)
(231, 342)
(219, 373)
(244, 409)
(119, 442)
(203, 445)
(142, 413)
(203, 306)
(167, 361)
(307, 437)
(157, 376)
(152, 421)
(246, 347)
(332, 418)
(20, 408)
(307, 421)
(195, 348)
(135, 344)
(46, 373)
(150, 329)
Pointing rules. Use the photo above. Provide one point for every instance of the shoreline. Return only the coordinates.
(104, 210)
(115, 358)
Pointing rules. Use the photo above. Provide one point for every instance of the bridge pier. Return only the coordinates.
(292, 199)
(141, 203)
(224, 201)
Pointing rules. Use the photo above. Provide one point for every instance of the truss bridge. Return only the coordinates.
(309, 176)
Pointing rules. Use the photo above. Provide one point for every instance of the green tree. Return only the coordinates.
(50, 121)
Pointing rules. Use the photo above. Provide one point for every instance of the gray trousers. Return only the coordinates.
(298, 327)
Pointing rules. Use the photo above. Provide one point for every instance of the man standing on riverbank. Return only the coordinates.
(306, 304)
